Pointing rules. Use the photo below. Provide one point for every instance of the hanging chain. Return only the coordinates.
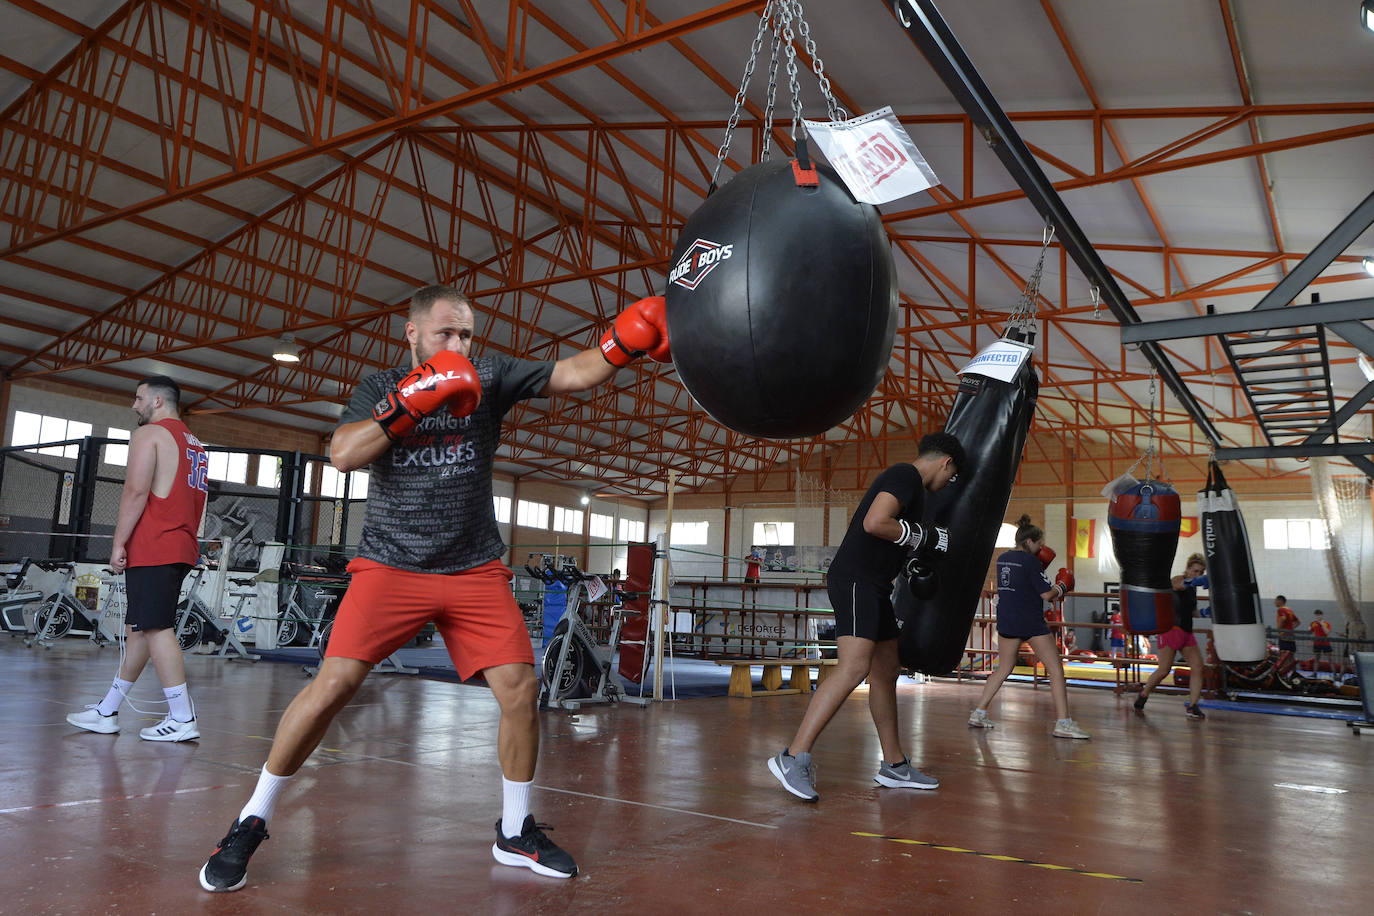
(1150, 447)
(773, 60)
(778, 17)
(1023, 315)
(730, 125)
(837, 113)
(1096, 295)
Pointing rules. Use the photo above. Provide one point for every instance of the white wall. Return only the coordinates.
(100, 416)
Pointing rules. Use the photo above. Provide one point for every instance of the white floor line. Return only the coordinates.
(622, 801)
(96, 801)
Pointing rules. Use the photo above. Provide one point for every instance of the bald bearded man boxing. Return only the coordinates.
(430, 551)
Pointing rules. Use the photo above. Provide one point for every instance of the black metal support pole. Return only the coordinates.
(928, 31)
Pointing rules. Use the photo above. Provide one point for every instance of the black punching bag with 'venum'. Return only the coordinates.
(782, 302)
(991, 419)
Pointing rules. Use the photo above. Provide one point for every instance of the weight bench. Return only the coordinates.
(799, 678)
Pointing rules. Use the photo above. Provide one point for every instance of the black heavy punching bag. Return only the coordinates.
(990, 419)
(1237, 628)
(782, 302)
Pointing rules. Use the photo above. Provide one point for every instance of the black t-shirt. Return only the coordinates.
(429, 506)
(873, 559)
(1185, 607)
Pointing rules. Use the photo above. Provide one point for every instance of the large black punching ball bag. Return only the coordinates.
(990, 419)
(1237, 627)
(782, 302)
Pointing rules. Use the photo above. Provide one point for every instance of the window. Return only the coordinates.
(603, 526)
(1006, 535)
(35, 428)
(357, 484)
(773, 533)
(531, 515)
(689, 533)
(228, 466)
(1295, 534)
(501, 507)
(569, 520)
(115, 453)
(631, 530)
(26, 426)
(331, 482)
(269, 472)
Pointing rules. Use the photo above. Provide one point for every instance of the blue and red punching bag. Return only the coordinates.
(1144, 520)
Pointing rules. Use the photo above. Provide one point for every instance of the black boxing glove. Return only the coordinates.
(922, 581)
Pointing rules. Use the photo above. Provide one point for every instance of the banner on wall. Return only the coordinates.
(793, 559)
(1085, 538)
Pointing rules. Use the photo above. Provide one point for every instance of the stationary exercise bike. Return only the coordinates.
(576, 671)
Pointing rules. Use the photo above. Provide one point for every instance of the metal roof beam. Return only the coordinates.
(933, 37)
(1291, 316)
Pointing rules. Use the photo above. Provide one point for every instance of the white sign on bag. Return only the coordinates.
(874, 156)
(1000, 359)
(596, 588)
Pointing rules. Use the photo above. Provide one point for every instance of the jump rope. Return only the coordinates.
(120, 631)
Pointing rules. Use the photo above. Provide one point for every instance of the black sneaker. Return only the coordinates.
(1140, 703)
(1194, 711)
(227, 869)
(532, 850)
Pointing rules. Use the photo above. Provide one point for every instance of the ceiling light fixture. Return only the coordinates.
(1367, 14)
(286, 350)
(1369, 262)
(585, 499)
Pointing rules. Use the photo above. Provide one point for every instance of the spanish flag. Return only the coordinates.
(1084, 537)
(1188, 527)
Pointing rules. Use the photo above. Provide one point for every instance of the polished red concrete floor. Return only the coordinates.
(670, 809)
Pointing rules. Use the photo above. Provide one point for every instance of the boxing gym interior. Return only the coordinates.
(1121, 252)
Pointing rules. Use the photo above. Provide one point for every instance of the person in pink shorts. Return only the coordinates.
(1181, 639)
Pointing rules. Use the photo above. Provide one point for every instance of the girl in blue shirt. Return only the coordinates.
(1022, 590)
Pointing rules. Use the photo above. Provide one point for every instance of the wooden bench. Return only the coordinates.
(799, 678)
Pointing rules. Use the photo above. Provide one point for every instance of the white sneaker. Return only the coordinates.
(979, 719)
(170, 729)
(1068, 728)
(93, 721)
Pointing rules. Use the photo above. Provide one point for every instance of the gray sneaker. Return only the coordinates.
(1068, 728)
(796, 774)
(979, 719)
(904, 776)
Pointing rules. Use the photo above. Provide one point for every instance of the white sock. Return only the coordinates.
(179, 703)
(264, 796)
(515, 805)
(110, 705)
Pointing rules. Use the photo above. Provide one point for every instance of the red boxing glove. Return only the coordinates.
(447, 378)
(1046, 556)
(642, 328)
(1064, 579)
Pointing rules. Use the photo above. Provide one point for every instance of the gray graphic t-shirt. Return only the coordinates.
(429, 506)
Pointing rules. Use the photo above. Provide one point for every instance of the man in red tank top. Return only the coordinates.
(155, 545)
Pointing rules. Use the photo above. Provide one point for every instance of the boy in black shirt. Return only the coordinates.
(885, 532)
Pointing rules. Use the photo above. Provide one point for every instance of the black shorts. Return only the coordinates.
(153, 592)
(1288, 645)
(863, 609)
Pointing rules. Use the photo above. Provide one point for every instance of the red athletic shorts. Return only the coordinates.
(473, 610)
(1177, 639)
